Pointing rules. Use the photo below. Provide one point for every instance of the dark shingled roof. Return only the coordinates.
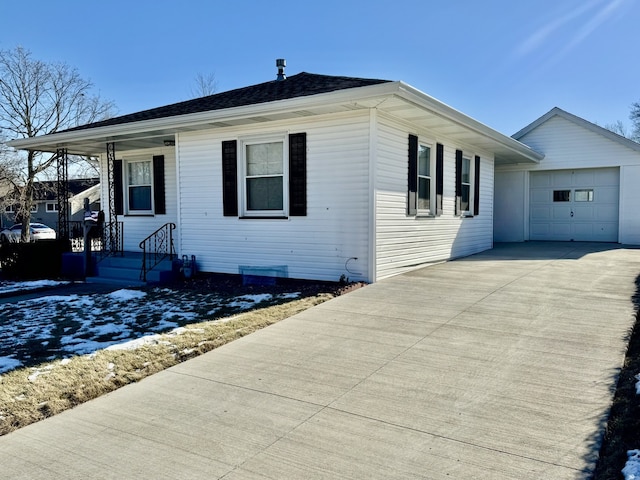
(299, 85)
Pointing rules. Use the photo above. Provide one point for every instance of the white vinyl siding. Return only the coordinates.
(136, 227)
(406, 242)
(330, 241)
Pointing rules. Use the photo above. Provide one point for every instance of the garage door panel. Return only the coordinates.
(541, 196)
(584, 213)
(587, 177)
(561, 179)
(539, 230)
(541, 179)
(605, 212)
(607, 195)
(561, 213)
(585, 207)
(540, 213)
(560, 230)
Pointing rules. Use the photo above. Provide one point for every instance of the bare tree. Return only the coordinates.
(38, 98)
(635, 119)
(618, 127)
(205, 85)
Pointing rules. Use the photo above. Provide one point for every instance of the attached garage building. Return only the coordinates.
(585, 189)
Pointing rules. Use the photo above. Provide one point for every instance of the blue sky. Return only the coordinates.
(503, 62)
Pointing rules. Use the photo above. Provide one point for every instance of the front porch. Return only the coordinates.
(98, 255)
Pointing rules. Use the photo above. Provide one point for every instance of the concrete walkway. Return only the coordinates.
(497, 366)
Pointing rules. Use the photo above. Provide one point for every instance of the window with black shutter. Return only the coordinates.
(267, 175)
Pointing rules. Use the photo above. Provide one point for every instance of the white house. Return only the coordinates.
(310, 176)
(585, 188)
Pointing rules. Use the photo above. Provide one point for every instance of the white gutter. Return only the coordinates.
(352, 95)
(421, 99)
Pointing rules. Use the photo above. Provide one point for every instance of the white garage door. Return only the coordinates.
(580, 205)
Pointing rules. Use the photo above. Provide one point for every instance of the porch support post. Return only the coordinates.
(63, 194)
(113, 214)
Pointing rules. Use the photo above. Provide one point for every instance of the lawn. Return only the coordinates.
(57, 351)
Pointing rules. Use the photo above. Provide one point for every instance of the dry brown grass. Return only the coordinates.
(28, 395)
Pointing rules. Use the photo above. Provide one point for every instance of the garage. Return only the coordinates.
(574, 205)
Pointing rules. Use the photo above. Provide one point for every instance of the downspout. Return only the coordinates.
(373, 164)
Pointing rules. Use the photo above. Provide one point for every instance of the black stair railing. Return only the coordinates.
(156, 247)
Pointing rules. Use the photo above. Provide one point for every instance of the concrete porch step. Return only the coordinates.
(126, 269)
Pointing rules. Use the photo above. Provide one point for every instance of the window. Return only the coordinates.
(52, 206)
(562, 195)
(467, 184)
(264, 177)
(34, 208)
(264, 172)
(425, 179)
(139, 186)
(585, 195)
(9, 209)
(465, 199)
(139, 182)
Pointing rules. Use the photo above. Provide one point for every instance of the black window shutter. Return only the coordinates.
(230, 178)
(412, 179)
(298, 174)
(439, 177)
(159, 200)
(476, 187)
(118, 190)
(458, 181)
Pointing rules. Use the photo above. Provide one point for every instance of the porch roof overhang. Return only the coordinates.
(396, 99)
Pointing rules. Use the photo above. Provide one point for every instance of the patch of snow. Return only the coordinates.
(249, 301)
(11, 287)
(125, 295)
(631, 470)
(8, 363)
(290, 295)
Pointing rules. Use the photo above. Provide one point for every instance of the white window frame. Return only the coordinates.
(9, 209)
(52, 207)
(472, 170)
(432, 178)
(126, 186)
(242, 167)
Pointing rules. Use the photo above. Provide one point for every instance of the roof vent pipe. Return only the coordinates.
(281, 63)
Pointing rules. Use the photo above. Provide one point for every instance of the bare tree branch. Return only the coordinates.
(204, 85)
(38, 98)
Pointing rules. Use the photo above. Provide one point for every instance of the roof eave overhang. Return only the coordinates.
(92, 141)
(507, 149)
(170, 125)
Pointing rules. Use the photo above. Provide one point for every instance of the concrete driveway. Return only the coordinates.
(497, 366)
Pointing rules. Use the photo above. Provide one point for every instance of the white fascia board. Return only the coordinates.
(417, 97)
(178, 122)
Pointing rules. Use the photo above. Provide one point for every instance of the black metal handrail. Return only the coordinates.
(111, 237)
(156, 247)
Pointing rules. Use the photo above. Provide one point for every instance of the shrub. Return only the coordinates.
(30, 261)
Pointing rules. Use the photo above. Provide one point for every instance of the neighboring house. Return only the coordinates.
(312, 176)
(585, 189)
(45, 208)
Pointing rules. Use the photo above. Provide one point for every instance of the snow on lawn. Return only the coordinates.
(59, 326)
(631, 470)
(12, 287)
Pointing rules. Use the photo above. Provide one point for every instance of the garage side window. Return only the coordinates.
(562, 195)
